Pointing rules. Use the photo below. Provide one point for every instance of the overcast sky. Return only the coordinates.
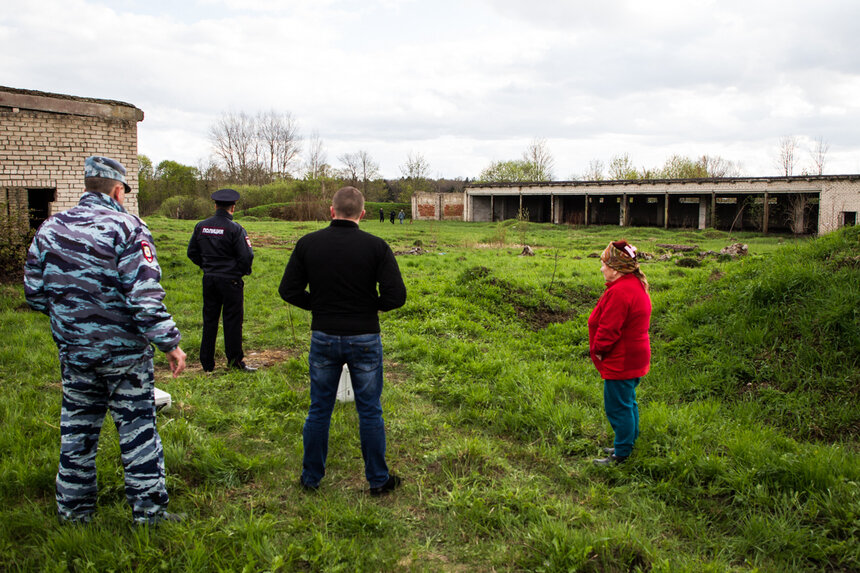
(463, 82)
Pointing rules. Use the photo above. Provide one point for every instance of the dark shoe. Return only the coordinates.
(309, 488)
(392, 484)
(244, 368)
(608, 450)
(159, 518)
(612, 459)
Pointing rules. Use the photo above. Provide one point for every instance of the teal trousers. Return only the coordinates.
(619, 402)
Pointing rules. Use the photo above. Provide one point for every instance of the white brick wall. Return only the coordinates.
(837, 197)
(41, 149)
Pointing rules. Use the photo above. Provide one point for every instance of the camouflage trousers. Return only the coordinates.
(127, 390)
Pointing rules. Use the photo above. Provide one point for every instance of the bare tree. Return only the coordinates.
(351, 167)
(594, 171)
(316, 158)
(542, 161)
(234, 141)
(819, 155)
(716, 166)
(798, 210)
(269, 132)
(255, 149)
(416, 167)
(368, 168)
(786, 157)
(279, 138)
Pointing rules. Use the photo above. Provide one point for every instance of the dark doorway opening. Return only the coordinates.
(644, 211)
(738, 212)
(39, 205)
(684, 211)
(505, 207)
(604, 209)
(573, 210)
(538, 209)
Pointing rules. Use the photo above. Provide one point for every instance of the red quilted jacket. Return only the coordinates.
(618, 330)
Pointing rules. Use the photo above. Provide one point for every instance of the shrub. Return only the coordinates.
(15, 237)
(292, 211)
(183, 207)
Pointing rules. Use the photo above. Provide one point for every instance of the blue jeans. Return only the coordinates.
(363, 355)
(619, 401)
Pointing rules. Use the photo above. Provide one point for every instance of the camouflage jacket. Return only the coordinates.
(93, 270)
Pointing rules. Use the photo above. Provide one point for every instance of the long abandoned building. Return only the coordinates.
(44, 139)
(802, 205)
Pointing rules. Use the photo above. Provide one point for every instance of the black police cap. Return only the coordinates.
(225, 196)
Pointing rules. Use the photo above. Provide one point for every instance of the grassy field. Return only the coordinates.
(747, 461)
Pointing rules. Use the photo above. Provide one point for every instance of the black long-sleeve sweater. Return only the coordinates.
(342, 266)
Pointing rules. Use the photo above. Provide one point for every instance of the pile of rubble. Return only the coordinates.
(734, 250)
(412, 251)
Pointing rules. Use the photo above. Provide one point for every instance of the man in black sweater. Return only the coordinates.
(342, 266)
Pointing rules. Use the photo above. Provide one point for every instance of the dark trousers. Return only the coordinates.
(225, 294)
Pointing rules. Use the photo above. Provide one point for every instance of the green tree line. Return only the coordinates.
(182, 191)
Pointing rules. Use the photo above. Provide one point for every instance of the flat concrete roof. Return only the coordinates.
(646, 182)
(66, 104)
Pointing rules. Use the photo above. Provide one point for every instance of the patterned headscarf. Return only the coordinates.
(621, 256)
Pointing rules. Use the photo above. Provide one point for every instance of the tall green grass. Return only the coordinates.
(747, 459)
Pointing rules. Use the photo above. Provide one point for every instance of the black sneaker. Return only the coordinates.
(611, 460)
(608, 450)
(310, 488)
(244, 368)
(389, 486)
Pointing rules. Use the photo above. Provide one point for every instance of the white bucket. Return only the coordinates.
(162, 399)
(344, 387)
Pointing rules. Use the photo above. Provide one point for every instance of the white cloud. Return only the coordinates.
(463, 82)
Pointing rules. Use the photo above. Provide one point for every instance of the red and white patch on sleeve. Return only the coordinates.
(248, 240)
(147, 251)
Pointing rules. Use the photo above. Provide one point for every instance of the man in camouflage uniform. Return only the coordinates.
(92, 270)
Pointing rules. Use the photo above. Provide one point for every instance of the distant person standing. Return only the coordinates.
(220, 246)
(392, 215)
(342, 266)
(93, 270)
(619, 344)
(401, 215)
(381, 215)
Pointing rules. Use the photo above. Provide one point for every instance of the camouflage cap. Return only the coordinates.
(106, 168)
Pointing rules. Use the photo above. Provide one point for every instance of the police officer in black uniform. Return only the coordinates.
(220, 246)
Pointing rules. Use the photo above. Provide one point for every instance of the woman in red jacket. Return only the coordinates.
(619, 344)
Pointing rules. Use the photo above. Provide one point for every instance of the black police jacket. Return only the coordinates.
(221, 247)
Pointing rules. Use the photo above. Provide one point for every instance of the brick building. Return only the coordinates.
(437, 206)
(44, 139)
